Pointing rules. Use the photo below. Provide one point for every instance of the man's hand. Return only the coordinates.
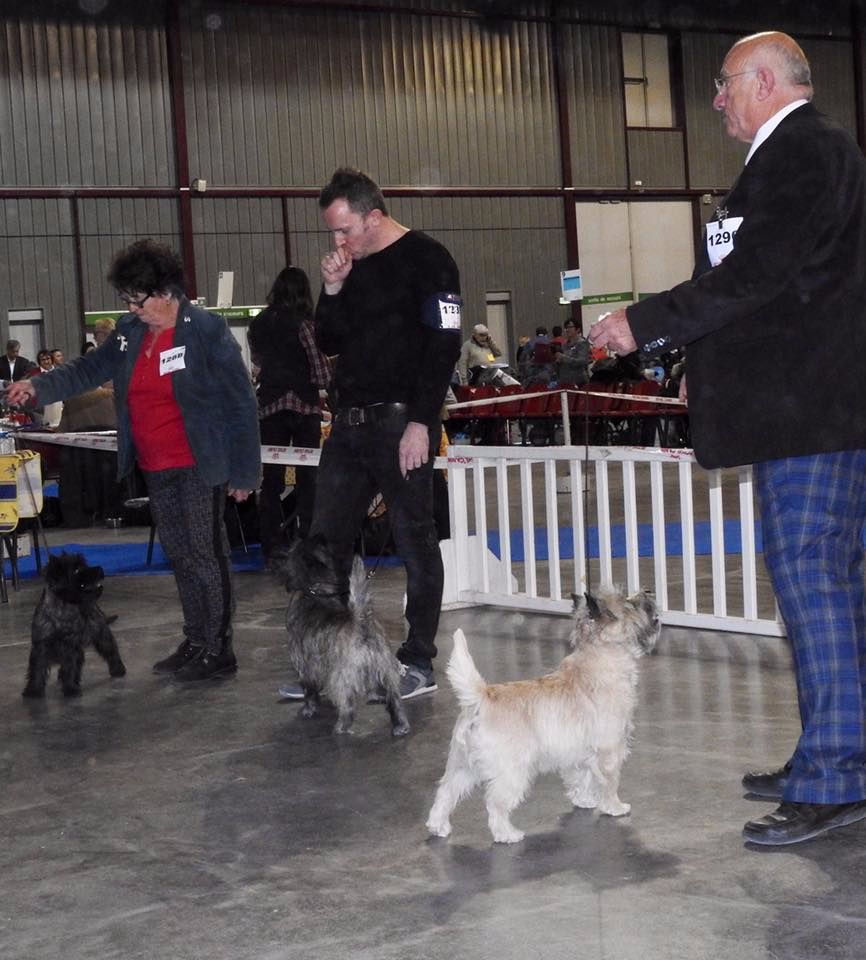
(614, 333)
(414, 447)
(239, 495)
(20, 392)
(336, 266)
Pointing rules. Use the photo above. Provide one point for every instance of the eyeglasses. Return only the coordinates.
(722, 82)
(132, 302)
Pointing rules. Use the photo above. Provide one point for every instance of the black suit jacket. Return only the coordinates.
(23, 366)
(776, 333)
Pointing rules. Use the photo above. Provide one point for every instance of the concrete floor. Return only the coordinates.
(149, 820)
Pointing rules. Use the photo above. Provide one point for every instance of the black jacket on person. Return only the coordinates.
(280, 356)
(776, 333)
(23, 368)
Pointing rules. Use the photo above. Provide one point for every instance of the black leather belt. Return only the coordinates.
(371, 413)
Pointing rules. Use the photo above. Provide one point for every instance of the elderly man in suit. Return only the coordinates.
(774, 320)
(12, 365)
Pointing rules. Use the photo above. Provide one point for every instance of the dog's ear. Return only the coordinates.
(592, 607)
(598, 610)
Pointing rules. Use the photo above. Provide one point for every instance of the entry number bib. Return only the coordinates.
(720, 238)
(171, 360)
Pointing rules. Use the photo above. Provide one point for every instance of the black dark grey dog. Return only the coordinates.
(335, 642)
(68, 619)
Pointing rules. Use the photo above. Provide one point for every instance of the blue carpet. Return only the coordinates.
(673, 537)
(128, 559)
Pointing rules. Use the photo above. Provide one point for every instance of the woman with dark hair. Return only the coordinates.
(292, 371)
(44, 361)
(186, 413)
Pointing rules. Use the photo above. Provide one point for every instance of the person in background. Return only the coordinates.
(51, 412)
(522, 348)
(187, 413)
(292, 373)
(102, 329)
(779, 286)
(57, 357)
(12, 365)
(573, 360)
(478, 350)
(43, 362)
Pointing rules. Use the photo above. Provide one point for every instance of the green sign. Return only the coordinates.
(608, 298)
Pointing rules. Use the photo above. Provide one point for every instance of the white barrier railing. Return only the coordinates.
(522, 520)
(542, 506)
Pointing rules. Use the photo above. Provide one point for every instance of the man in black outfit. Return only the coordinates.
(390, 309)
(13, 366)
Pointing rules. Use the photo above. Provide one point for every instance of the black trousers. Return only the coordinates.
(286, 429)
(358, 462)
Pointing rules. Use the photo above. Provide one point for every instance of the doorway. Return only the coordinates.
(27, 327)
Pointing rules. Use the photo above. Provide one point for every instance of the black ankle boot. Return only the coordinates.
(208, 665)
(184, 653)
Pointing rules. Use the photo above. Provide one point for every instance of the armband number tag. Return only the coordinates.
(449, 314)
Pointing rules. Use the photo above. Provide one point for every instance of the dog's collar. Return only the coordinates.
(322, 592)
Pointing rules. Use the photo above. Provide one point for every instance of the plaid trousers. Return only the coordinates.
(813, 511)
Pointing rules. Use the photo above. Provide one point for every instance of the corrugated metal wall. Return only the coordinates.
(37, 264)
(414, 100)
(244, 235)
(591, 59)
(714, 159)
(832, 63)
(656, 158)
(88, 103)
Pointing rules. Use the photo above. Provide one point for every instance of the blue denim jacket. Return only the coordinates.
(213, 391)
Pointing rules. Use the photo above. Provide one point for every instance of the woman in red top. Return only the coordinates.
(186, 413)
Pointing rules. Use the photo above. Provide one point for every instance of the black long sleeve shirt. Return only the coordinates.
(395, 325)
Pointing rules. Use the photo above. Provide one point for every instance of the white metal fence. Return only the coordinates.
(532, 525)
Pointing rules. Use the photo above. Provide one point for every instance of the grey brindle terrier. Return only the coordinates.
(335, 643)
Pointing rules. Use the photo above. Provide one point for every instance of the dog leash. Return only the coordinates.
(373, 511)
(586, 462)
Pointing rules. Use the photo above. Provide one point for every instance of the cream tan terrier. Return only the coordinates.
(576, 721)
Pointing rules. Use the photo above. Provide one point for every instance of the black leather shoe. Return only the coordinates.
(795, 822)
(769, 784)
(207, 666)
(184, 653)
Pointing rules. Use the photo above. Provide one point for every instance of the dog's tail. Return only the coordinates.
(359, 589)
(468, 683)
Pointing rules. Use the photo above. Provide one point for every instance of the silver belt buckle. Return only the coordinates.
(355, 416)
